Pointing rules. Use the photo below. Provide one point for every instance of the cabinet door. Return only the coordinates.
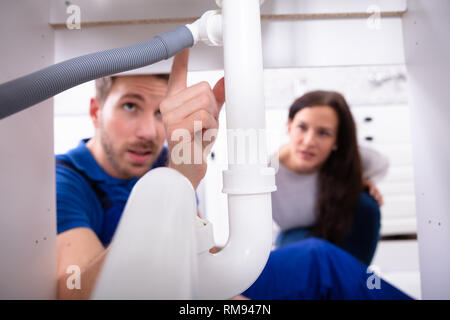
(387, 129)
(383, 124)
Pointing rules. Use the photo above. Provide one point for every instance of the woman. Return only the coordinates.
(320, 186)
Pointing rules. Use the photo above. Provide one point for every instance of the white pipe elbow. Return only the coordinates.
(234, 269)
(207, 29)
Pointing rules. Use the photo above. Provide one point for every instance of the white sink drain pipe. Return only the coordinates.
(176, 263)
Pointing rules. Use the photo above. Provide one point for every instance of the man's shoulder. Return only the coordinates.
(162, 159)
(70, 181)
(81, 161)
(65, 169)
(70, 184)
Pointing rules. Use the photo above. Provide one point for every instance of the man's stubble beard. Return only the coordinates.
(113, 155)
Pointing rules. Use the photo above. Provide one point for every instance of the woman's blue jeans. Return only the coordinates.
(363, 238)
(316, 269)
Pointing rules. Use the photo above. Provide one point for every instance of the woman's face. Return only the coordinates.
(313, 136)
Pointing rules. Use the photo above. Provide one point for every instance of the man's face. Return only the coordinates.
(129, 130)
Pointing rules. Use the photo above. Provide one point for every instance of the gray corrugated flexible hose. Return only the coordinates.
(24, 92)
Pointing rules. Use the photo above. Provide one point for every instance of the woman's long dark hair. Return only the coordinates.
(340, 177)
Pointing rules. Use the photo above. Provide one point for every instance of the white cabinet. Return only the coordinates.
(383, 124)
(386, 128)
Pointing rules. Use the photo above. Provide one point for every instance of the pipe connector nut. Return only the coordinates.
(219, 2)
(208, 28)
(249, 181)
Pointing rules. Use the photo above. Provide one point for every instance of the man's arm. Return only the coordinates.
(78, 247)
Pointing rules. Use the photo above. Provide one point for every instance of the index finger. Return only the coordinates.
(178, 75)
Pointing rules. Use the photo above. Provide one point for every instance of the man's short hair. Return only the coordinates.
(104, 85)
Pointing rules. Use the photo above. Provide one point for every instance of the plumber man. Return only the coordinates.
(132, 116)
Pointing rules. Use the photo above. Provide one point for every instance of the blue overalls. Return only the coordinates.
(112, 209)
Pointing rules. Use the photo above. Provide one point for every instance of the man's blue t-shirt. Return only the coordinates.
(87, 196)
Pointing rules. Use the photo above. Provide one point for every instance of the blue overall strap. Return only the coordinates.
(111, 211)
(162, 159)
(101, 195)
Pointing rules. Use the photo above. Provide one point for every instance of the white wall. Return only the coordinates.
(286, 43)
(427, 54)
(27, 195)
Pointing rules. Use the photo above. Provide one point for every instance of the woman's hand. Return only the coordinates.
(373, 191)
